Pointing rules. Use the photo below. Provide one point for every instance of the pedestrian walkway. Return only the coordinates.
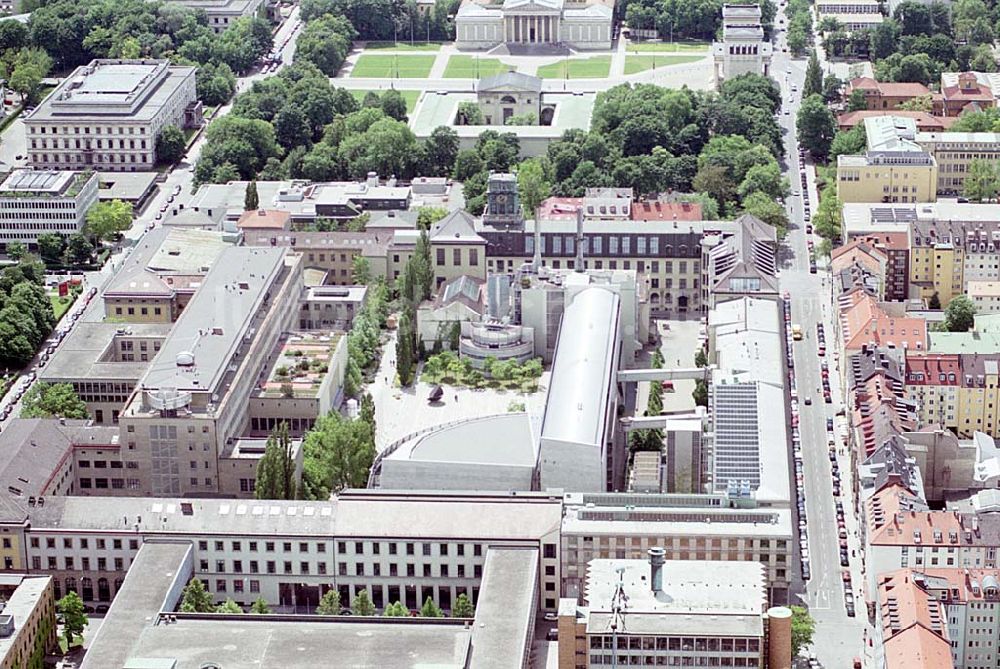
(618, 60)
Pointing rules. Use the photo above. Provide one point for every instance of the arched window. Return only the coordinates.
(103, 590)
(70, 585)
(508, 100)
(87, 586)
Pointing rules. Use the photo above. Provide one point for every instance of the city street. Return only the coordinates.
(838, 638)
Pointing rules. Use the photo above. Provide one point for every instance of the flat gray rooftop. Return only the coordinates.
(153, 578)
(358, 514)
(215, 320)
(108, 91)
(249, 642)
(506, 608)
(698, 596)
(505, 439)
(79, 356)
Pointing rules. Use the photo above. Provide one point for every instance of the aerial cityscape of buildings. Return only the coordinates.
(499, 334)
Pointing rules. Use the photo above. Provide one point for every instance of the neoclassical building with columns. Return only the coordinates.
(484, 24)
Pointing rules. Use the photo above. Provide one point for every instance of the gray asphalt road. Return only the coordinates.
(838, 638)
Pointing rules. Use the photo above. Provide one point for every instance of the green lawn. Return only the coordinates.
(635, 64)
(666, 47)
(411, 97)
(61, 304)
(378, 66)
(404, 46)
(466, 67)
(595, 67)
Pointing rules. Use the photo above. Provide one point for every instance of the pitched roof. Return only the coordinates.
(889, 89)
(924, 120)
(510, 81)
(458, 227)
(267, 219)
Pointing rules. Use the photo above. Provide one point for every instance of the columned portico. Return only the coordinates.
(531, 28)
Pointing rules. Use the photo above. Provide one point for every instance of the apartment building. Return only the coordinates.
(36, 202)
(954, 152)
(947, 245)
(971, 602)
(397, 547)
(864, 321)
(222, 13)
(107, 114)
(710, 527)
(740, 264)
(933, 381)
(688, 616)
(894, 168)
(911, 625)
(860, 264)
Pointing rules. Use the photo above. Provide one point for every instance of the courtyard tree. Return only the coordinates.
(960, 314)
(228, 606)
(405, 353)
(72, 615)
(16, 250)
(533, 186)
(106, 220)
(329, 603)
(276, 470)
(53, 400)
(251, 200)
(260, 607)
(463, 607)
(362, 605)
(430, 609)
(196, 599)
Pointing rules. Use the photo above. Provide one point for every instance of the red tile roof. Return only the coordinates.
(666, 211)
(265, 219)
(930, 366)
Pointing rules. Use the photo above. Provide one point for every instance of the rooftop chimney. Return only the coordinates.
(656, 558)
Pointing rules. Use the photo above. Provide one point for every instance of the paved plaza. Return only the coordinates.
(404, 411)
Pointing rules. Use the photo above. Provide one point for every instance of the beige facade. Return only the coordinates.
(81, 125)
(868, 179)
(175, 436)
(955, 151)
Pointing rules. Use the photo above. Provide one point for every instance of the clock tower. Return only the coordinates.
(503, 207)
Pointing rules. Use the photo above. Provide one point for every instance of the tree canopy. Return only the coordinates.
(53, 400)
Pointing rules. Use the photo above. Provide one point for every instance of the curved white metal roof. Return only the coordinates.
(582, 368)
